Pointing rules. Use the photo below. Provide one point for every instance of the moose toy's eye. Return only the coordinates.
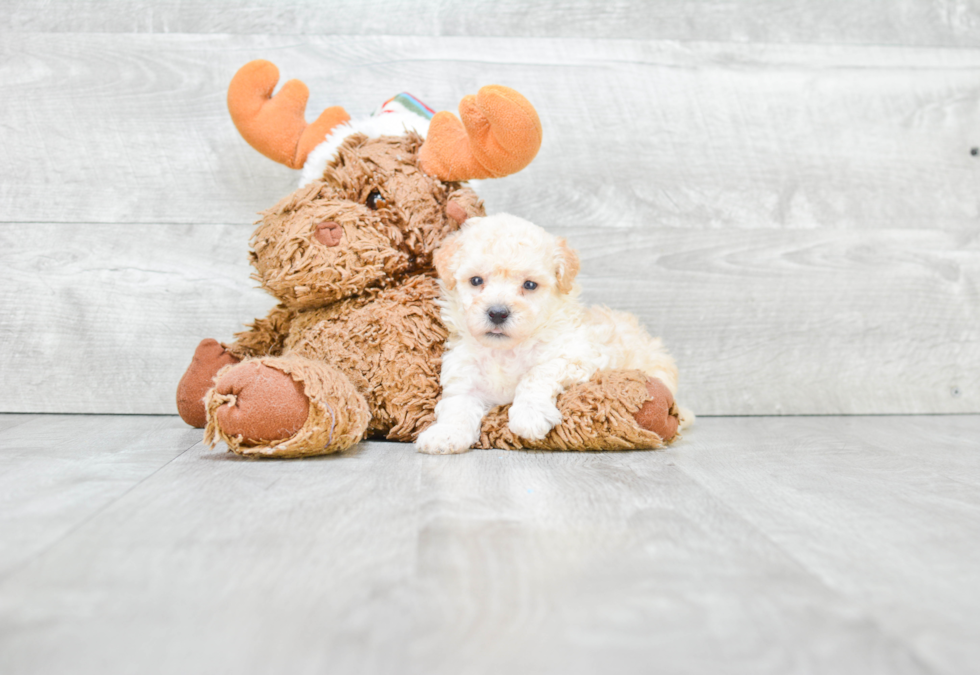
(476, 281)
(530, 285)
(375, 200)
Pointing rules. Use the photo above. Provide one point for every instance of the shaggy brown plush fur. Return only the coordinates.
(336, 417)
(379, 246)
(355, 347)
(596, 415)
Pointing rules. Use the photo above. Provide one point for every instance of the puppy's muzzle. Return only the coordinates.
(498, 314)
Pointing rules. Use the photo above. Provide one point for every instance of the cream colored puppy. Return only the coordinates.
(517, 333)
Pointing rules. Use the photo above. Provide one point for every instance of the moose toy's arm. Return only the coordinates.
(264, 337)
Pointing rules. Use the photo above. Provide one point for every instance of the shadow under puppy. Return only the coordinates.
(518, 334)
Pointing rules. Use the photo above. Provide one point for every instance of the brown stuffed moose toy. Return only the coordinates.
(353, 349)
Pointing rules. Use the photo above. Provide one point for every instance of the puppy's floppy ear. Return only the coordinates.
(444, 259)
(567, 266)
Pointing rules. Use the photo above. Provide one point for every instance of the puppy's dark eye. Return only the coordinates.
(530, 285)
(375, 201)
(476, 281)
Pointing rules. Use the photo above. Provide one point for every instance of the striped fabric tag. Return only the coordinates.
(408, 103)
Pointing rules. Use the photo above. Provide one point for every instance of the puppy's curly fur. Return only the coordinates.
(517, 333)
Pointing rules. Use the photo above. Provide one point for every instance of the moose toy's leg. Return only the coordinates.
(659, 413)
(209, 357)
(615, 410)
(264, 337)
(285, 407)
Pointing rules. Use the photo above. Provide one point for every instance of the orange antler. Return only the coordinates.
(276, 125)
(502, 135)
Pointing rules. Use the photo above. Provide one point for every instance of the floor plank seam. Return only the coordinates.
(898, 640)
(14, 426)
(17, 569)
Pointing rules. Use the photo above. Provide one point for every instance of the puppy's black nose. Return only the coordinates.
(498, 314)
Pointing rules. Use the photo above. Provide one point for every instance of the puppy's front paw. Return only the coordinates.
(533, 420)
(444, 439)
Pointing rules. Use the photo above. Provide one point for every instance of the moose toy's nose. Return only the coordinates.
(328, 233)
(498, 314)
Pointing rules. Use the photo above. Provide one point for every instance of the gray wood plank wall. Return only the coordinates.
(784, 191)
(938, 23)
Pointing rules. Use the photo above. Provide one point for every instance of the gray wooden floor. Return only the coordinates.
(756, 545)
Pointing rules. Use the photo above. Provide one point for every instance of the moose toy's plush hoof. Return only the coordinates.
(285, 407)
(659, 414)
(259, 403)
(209, 358)
(615, 410)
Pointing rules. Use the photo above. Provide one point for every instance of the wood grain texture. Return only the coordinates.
(846, 498)
(133, 128)
(754, 545)
(60, 471)
(760, 321)
(938, 23)
(620, 562)
(10, 421)
(802, 322)
(799, 222)
(230, 566)
(105, 318)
